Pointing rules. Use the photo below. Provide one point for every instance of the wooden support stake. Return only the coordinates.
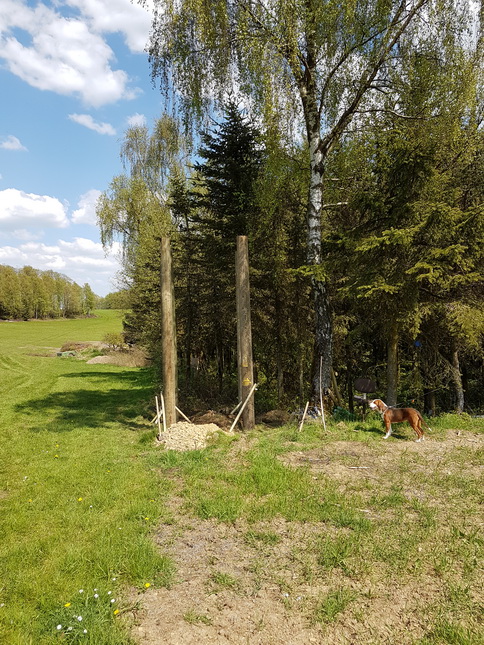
(168, 332)
(158, 417)
(254, 387)
(244, 331)
(183, 415)
(303, 417)
(236, 407)
(163, 410)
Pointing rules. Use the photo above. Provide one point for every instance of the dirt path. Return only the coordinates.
(231, 590)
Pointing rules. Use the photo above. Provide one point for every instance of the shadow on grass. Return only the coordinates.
(397, 432)
(121, 397)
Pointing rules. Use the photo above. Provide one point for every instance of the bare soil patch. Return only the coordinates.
(234, 586)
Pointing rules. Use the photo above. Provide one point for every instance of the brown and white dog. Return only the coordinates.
(399, 415)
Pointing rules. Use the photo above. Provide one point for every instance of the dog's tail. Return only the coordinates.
(424, 422)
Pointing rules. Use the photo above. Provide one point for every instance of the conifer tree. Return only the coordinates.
(224, 200)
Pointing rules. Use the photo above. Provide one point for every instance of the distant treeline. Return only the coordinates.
(29, 293)
(116, 300)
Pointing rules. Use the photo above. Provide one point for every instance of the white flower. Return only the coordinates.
(85, 631)
(96, 595)
(113, 579)
(81, 590)
(113, 600)
(69, 629)
(79, 618)
(109, 593)
(59, 626)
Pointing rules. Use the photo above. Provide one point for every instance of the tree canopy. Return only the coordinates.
(313, 64)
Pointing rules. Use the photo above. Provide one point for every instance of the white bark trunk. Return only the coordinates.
(323, 325)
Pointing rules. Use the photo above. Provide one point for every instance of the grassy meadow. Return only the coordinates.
(364, 540)
(76, 496)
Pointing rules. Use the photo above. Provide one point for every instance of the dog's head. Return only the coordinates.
(378, 404)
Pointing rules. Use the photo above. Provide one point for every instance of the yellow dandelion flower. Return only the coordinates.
(116, 612)
(79, 499)
(56, 456)
(68, 604)
(147, 584)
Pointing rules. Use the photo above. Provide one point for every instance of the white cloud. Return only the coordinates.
(87, 121)
(12, 143)
(25, 210)
(86, 213)
(82, 260)
(23, 235)
(136, 120)
(130, 19)
(64, 55)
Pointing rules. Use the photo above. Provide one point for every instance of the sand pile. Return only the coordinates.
(188, 436)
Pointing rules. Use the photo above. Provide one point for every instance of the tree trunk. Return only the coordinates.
(323, 338)
(279, 348)
(244, 332)
(392, 366)
(457, 378)
(429, 402)
(351, 401)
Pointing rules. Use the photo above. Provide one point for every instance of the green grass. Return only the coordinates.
(83, 488)
(77, 499)
(410, 526)
(332, 604)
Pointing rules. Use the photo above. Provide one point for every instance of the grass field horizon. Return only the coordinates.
(94, 515)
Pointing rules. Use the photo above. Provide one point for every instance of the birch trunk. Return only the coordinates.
(323, 340)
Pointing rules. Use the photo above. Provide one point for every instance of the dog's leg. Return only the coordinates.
(389, 430)
(418, 429)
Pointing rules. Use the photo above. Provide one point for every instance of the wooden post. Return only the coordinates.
(244, 332)
(168, 334)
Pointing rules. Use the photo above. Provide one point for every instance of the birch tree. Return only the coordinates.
(316, 63)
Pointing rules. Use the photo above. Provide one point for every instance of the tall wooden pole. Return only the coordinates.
(244, 331)
(168, 333)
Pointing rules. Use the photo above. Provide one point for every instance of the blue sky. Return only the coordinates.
(73, 77)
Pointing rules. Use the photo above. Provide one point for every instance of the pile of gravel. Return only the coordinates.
(188, 436)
